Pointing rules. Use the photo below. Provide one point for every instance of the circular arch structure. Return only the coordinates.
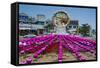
(62, 17)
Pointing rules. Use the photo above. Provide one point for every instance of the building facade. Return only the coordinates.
(29, 25)
(73, 27)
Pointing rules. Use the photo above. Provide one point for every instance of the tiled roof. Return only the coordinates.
(73, 22)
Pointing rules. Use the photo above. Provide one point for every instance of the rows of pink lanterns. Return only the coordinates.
(39, 44)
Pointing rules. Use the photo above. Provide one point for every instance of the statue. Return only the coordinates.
(61, 20)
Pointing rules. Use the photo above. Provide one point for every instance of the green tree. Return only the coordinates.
(85, 29)
(30, 20)
(49, 27)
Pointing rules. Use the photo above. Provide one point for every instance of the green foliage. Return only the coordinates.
(30, 20)
(84, 29)
(49, 27)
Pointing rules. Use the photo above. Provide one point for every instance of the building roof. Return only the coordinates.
(23, 14)
(39, 22)
(73, 22)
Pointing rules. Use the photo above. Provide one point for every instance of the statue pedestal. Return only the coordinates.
(61, 30)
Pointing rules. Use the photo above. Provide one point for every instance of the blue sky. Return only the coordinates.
(84, 15)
